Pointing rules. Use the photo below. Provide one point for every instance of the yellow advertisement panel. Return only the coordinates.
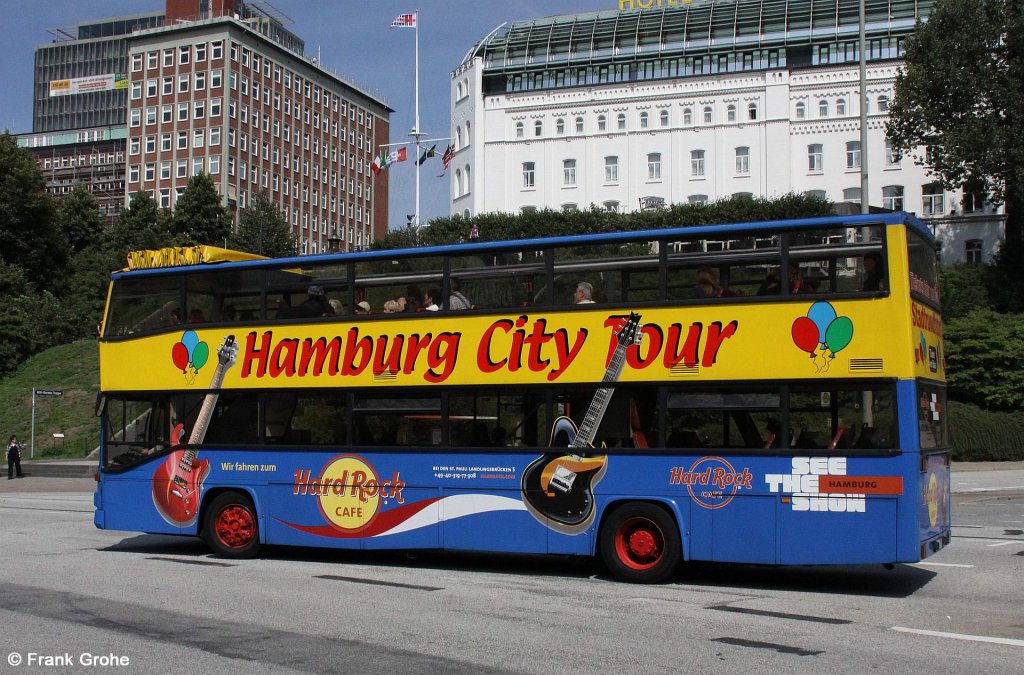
(926, 338)
(769, 341)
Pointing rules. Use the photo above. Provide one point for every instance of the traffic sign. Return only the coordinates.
(49, 392)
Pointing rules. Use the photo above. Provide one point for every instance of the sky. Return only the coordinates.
(353, 38)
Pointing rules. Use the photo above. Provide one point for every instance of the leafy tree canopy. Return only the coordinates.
(961, 96)
(199, 217)
(263, 230)
(79, 218)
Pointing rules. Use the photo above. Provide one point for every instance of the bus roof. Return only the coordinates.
(258, 262)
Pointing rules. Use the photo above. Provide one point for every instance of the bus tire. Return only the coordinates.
(640, 543)
(231, 527)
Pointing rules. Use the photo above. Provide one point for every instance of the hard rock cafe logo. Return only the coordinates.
(349, 491)
(711, 481)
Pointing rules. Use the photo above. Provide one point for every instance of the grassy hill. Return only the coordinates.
(72, 368)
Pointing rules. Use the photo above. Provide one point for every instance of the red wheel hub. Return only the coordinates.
(235, 526)
(640, 543)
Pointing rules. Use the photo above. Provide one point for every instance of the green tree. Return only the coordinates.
(79, 218)
(140, 226)
(961, 96)
(199, 217)
(983, 357)
(28, 230)
(262, 229)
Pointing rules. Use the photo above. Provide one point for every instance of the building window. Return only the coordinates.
(520, 130)
(458, 182)
(853, 155)
(611, 206)
(823, 109)
(560, 127)
(730, 113)
(568, 207)
(801, 110)
(602, 123)
(814, 158)
(742, 161)
(136, 63)
(133, 173)
(697, 199)
(622, 121)
(841, 107)
(697, 162)
(972, 251)
(663, 117)
(569, 172)
(644, 120)
(136, 90)
(654, 166)
(883, 103)
(151, 60)
(529, 175)
(168, 58)
(611, 169)
(974, 197)
(852, 195)
(709, 115)
(816, 194)
(933, 198)
(579, 125)
(538, 128)
(752, 111)
(133, 146)
(687, 117)
(892, 197)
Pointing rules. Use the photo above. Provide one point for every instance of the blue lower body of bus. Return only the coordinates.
(784, 509)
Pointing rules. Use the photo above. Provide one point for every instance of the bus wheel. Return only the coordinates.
(640, 543)
(230, 526)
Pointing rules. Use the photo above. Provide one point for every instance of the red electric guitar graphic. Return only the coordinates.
(178, 481)
(559, 487)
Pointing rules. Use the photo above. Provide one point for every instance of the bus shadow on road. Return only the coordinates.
(865, 580)
(861, 580)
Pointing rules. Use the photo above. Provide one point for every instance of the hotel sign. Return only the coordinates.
(626, 5)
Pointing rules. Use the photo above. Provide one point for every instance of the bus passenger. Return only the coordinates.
(315, 304)
(413, 299)
(456, 300)
(362, 307)
(584, 293)
(429, 300)
(707, 284)
(337, 306)
(196, 316)
(391, 306)
(874, 269)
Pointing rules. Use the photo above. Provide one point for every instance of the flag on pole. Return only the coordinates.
(380, 162)
(398, 155)
(427, 154)
(446, 158)
(383, 161)
(404, 21)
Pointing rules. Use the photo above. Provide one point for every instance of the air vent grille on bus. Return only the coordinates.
(860, 365)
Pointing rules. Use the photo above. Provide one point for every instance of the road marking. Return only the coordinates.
(961, 636)
(998, 489)
(1002, 543)
(935, 564)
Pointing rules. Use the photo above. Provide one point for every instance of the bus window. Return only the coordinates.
(234, 420)
(843, 418)
(308, 292)
(135, 428)
(613, 429)
(723, 419)
(144, 304)
(601, 266)
(383, 279)
(924, 276)
(397, 420)
(504, 280)
(227, 297)
(497, 419)
(931, 416)
(306, 418)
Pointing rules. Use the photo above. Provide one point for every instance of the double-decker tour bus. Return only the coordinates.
(767, 392)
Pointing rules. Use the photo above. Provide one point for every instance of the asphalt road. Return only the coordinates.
(148, 604)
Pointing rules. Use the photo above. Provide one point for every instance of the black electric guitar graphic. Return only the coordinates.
(559, 486)
(178, 482)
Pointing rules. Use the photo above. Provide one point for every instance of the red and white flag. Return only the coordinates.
(404, 21)
(449, 153)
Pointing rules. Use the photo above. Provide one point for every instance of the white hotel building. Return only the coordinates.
(691, 103)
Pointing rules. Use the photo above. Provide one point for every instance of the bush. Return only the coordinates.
(983, 351)
(982, 435)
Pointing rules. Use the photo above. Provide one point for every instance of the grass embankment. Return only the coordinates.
(73, 369)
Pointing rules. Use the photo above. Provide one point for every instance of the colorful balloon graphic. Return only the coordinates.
(822, 329)
(822, 314)
(805, 335)
(839, 334)
(189, 354)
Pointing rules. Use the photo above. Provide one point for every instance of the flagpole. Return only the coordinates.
(416, 125)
